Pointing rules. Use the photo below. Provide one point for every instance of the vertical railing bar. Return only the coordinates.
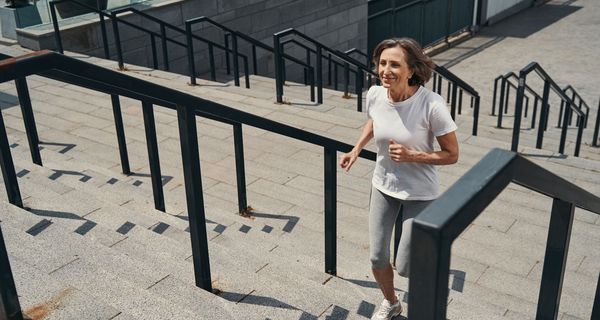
(10, 307)
(476, 116)
(29, 120)
(543, 112)
(501, 104)
(211, 61)
(117, 36)
(104, 36)
(254, 60)
(580, 128)
(57, 38)
(460, 98)
(560, 113)
(330, 172)
(238, 141)
(563, 131)
(494, 95)
(236, 64)
(596, 306)
(518, 110)
(154, 52)
(277, 56)
(335, 76)
(227, 61)
(359, 89)
(453, 104)
(246, 72)
(311, 72)
(534, 112)
(165, 54)
(190, 52)
(153, 157)
(319, 71)
(8, 168)
(329, 69)
(120, 130)
(194, 196)
(596, 127)
(555, 259)
(346, 79)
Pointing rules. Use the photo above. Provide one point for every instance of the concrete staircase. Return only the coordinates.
(91, 245)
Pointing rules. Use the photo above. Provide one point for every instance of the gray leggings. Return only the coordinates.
(383, 212)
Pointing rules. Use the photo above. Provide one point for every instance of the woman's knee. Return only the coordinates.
(380, 261)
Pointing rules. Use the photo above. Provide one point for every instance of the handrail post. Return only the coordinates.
(211, 61)
(311, 72)
(190, 52)
(560, 113)
(57, 38)
(330, 167)
(236, 63)
(165, 54)
(580, 128)
(346, 79)
(596, 127)
(277, 57)
(194, 196)
(501, 104)
(154, 53)
(329, 69)
(439, 86)
(563, 131)
(359, 89)
(246, 72)
(116, 106)
(518, 111)
(9, 300)
(238, 141)
(460, 98)
(8, 168)
(434, 82)
(227, 59)
(596, 307)
(494, 95)
(319, 71)
(153, 158)
(104, 37)
(117, 36)
(555, 259)
(544, 109)
(429, 271)
(534, 112)
(476, 115)
(29, 120)
(254, 60)
(453, 104)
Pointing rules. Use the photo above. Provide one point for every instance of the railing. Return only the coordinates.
(596, 127)
(455, 89)
(505, 87)
(319, 49)
(153, 36)
(79, 73)
(442, 222)
(576, 98)
(548, 84)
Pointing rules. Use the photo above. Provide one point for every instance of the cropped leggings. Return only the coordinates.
(383, 211)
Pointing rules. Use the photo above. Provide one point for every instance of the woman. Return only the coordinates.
(403, 117)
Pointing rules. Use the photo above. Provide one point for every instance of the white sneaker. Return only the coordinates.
(387, 311)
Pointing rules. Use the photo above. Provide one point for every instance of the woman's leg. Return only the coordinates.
(383, 211)
(410, 209)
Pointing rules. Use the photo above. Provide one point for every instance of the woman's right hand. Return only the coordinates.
(348, 159)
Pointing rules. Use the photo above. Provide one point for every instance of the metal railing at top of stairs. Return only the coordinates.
(544, 110)
(235, 35)
(112, 15)
(189, 46)
(576, 98)
(69, 70)
(436, 228)
(320, 49)
(455, 88)
(505, 86)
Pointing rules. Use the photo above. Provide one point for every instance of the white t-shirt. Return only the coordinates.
(413, 123)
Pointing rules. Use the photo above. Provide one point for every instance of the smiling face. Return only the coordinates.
(393, 69)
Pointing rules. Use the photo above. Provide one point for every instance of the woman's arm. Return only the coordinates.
(448, 155)
(349, 158)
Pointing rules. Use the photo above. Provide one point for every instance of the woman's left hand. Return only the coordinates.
(399, 153)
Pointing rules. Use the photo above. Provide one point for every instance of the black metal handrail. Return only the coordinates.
(80, 73)
(596, 127)
(189, 46)
(505, 87)
(582, 104)
(319, 48)
(367, 62)
(442, 222)
(454, 84)
(548, 84)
